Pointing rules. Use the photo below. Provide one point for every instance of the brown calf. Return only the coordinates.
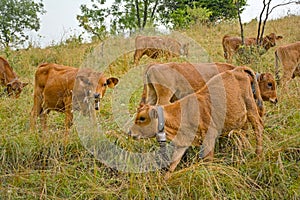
(9, 79)
(165, 83)
(156, 47)
(226, 102)
(57, 85)
(232, 44)
(289, 56)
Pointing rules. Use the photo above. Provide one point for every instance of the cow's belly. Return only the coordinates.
(56, 101)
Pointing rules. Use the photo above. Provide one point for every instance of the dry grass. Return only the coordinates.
(36, 165)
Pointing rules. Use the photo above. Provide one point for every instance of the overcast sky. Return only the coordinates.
(60, 21)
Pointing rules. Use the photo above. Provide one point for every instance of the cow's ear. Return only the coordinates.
(261, 77)
(24, 84)
(111, 82)
(279, 37)
(153, 113)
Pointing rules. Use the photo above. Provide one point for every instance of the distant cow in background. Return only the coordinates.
(54, 90)
(289, 57)
(9, 79)
(232, 44)
(156, 47)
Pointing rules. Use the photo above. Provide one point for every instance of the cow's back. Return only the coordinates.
(55, 83)
(6, 72)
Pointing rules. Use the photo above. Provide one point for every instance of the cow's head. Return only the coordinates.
(103, 83)
(184, 49)
(15, 88)
(145, 124)
(270, 40)
(267, 87)
(91, 87)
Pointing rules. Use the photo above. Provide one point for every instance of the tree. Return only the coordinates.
(267, 11)
(16, 17)
(216, 10)
(123, 16)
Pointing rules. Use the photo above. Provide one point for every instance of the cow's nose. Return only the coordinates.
(96, 95)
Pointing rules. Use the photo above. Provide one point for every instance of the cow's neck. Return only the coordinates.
(9, 74)
(173, 112)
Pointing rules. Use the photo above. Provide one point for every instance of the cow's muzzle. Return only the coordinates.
(97, 100)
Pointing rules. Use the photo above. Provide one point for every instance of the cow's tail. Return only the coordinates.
(255, 88)
(277, 67)
(224, 46)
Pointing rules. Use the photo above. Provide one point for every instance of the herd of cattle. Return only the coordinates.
(199, 101)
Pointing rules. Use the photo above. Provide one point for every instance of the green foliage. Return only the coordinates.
(122, 16)
(185, 12)
(16, 17)
(186, 16)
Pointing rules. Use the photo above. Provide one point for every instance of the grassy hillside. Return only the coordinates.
(52, 165)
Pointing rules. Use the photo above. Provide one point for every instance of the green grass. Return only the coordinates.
(52, 165)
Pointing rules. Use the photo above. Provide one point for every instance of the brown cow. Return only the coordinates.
(289, 56)
(9, 79)
(226, 102)
(155, 47)
(232, 44)
(54, 90)
(165, 83)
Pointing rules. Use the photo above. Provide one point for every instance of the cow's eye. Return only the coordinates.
(270, 85)
(142, 119)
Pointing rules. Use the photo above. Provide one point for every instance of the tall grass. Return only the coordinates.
(52, 165)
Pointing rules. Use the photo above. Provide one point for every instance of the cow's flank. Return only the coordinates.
(156, 47)
(168, 82)
(289, 57)
(9, 79)
(54, 90)
(225, 103)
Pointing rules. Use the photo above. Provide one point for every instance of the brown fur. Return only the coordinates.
(9, 79)
(231, 44)
(225, 103)
(289, 56)
(54, 90)
(165, 83)
(156, 47)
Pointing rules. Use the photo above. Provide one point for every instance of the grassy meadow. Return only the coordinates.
(53, 165)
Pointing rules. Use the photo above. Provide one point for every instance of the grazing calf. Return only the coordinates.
(156, 47)
(165, 83)
(9, 79)
(289, 57)
(56, 86)
(232, 44)
(226, 102)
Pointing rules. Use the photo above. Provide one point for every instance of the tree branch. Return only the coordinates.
(138, 13)
(283, 4)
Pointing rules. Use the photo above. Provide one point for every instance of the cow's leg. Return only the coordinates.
(208, 145)
(43, 117)
(257, 124)
(68, 114)
(176, 157)
(137, 56)
(163, 94)
(288, 71)
(36, 110)
(151, 96)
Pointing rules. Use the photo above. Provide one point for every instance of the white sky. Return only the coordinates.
(60, 21)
